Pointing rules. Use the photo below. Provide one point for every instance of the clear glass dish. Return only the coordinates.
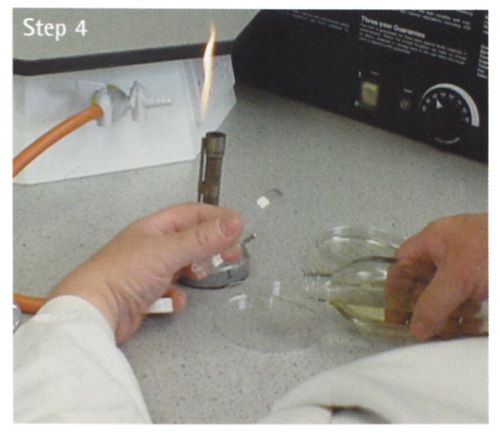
(257, 316)
(341, 245)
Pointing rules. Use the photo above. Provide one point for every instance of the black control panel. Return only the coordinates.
(422, 74)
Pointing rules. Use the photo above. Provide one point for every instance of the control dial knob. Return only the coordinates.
(448, 111)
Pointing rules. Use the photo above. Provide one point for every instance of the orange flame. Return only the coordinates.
(208, 58)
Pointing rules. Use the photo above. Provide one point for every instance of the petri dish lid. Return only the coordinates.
(342, 244)
(267, 322)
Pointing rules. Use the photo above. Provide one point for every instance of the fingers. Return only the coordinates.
(200, 269)
(419, 304)
(196, 231)
(467, 309)
(443, 296)
(233, 253)
(183, 216)
(406, 280)
(178, 297)
(196, 270)
(202, 240)
(398, 290)
(424, 287)
(461, 326)
(191, 232)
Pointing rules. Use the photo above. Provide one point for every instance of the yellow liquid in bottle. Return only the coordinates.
(373, 319)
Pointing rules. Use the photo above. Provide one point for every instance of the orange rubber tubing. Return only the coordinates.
(31, 304)
(28, 154)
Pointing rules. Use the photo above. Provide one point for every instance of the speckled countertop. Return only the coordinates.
(332, 170)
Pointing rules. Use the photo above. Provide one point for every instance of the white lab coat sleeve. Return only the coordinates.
(429, 383)
(68, 369)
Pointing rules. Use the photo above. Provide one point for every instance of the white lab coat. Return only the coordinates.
(68, 369)
(429, 383)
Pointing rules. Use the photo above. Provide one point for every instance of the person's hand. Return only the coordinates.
(139, 265)
(441, 278)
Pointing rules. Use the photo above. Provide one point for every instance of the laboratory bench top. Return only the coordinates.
(331, 170)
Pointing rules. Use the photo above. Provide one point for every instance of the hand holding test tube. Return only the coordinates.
(220, 272)
(251, 214)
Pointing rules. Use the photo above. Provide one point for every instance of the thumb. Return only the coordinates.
(202, 240)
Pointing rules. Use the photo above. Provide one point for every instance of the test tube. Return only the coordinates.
(257, 208)
(250, 215)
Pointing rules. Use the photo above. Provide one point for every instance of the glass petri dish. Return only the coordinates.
(267, 322)
(341, 245)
